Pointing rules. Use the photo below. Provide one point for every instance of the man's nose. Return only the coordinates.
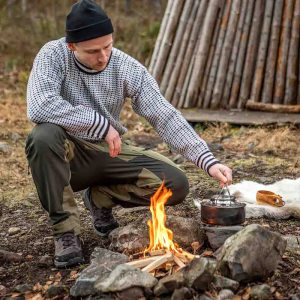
(102, 57)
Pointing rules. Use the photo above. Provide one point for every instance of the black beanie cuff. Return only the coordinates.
(89, 32)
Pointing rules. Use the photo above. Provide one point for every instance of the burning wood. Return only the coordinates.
(163, 252)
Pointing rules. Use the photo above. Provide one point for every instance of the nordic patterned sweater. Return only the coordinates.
(63, 91)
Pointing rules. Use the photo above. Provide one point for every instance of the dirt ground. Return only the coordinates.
(261, 154)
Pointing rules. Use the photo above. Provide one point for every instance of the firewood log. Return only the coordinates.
(276, 108)
(161, 33)
(251, 53)
(203, 50)
(178, 40)
(235, 89)
(210, 58)
(269, 75)
(262, 52)
(189, 53)
(181, 55)
(217, 54)
(225, 55)
(234, 53)
(283, 52)
(290, 96)
(167, 39)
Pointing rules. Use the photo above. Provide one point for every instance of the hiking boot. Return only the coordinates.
(103, 219)
(68, 251)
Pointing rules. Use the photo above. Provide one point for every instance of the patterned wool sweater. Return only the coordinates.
(61, 90)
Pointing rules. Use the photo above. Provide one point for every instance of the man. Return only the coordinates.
(75, 94)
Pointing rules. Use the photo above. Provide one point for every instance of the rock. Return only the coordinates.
(5, 149)
(261, 292)
(204, 297)
(124, 277)
(293, 243)
(199, 273)
(23, 288)
(6, 256)
(218, 235)
(56, 290)
(295, 297)
(133, 293)
(226, 295)
(131, 238)
(220, 283)
(185, 231)
(182, 294)
(45, 261)
(169, 283)
(251, 254)
(2, 290)
(178, 159)
(14, 230)
(215, 146)
(16, 137)
(102, 263)
(134, 237)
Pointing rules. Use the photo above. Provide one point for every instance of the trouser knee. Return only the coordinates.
(180, 188)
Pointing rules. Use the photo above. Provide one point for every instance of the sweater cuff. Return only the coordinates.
(206, 160)
(100, 127)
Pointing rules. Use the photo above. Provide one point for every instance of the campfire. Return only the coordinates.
(162, 254)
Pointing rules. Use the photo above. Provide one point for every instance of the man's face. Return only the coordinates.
(94, 53)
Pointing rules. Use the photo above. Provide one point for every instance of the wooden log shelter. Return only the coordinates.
(222, 54)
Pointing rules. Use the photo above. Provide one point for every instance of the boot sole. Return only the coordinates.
(72, 262)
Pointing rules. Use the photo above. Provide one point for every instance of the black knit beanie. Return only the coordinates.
(87, 21)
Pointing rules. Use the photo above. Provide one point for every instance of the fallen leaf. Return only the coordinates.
(266, 225)
(37, 297)
(14, 295)
(38, 287)
(49, 282)
(51, 277)
(58, 277)
(207, 253)
(284, 256)
(29, 256)
(237, 297)
(273, 289)
(74, 274)
(295, 271)
(278, 296)
(246, 294)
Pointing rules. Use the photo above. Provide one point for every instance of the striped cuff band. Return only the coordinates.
(206, 160)
(99, 128)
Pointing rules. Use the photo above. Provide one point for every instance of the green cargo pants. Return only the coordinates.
(62, 164)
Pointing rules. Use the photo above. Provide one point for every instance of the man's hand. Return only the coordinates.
(114, 142)
(221, 172)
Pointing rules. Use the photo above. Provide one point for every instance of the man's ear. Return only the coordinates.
(72, 46)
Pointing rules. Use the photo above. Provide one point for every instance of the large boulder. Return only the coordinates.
(135, 237)
(102, 263)
(251, 254)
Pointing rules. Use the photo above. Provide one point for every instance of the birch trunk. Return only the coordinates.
(269, 76)
(181, 55)
(225, 55)
(262, 52)
(178, 41)
(292, 69)
(216, 58)
(160, 36)
(283, 51)
(189, 52)
(234, 53)
(251, 53)
(167, 40)
(210, 58)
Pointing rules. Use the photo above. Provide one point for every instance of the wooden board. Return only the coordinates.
(239, 117)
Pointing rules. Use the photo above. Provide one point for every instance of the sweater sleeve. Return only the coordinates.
(45, 104)
(168, 122)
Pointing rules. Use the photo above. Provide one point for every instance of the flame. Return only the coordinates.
(160, 236)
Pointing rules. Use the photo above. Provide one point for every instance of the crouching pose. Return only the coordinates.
(75, 95)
